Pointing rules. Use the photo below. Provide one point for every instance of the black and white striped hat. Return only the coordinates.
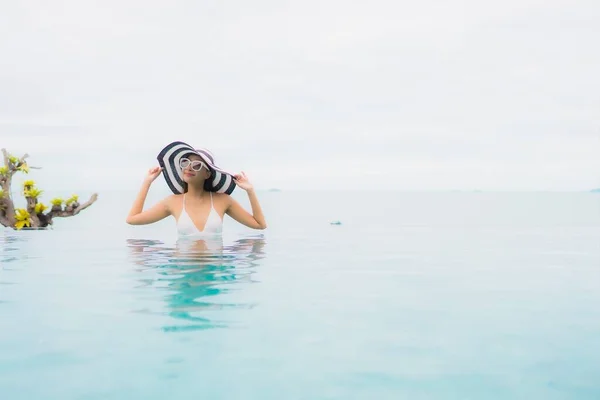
(220, 181)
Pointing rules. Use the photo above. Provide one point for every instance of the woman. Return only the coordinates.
(201, 194)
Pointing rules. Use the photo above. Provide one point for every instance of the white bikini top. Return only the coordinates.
(186, 227)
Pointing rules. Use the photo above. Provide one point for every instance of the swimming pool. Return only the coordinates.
(421, 296)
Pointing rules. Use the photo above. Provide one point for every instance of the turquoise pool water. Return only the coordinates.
(414, 295)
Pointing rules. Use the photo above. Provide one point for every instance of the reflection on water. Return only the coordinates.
(196, 277)
(11, 253)
(10, 249)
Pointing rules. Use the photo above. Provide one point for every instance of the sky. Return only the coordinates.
(391, 95)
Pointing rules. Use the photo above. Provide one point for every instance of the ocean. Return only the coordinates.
(346, 295)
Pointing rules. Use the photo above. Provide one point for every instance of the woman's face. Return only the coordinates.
(194, 169)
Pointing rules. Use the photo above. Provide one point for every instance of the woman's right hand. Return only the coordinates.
(153, 173)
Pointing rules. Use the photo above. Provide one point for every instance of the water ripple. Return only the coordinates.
(194, 279)
(10, 251)
(10, 256)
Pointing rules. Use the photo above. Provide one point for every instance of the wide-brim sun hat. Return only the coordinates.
(220, 180)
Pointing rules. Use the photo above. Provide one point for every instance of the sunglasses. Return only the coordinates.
(196, 165)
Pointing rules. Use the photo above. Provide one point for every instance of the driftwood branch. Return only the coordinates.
(5, 221)
(71, 211)
(12, 168)
(31, 203)
(5, 182)
(29, 217)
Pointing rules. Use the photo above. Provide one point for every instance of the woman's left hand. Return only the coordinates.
(242, 181)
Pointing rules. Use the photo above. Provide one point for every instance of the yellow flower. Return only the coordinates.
(40, 208)
(13, 159)
(56, 201)
(24, 168)
(72, 199)
(3, 170)
(28, 183)
(22, 217)
(34, 193)
(1, 193)
(21, 224)
(21, 214)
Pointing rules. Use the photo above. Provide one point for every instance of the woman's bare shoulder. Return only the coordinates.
(221, 198)
(172, 199)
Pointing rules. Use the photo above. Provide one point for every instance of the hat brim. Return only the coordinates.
(220, 181)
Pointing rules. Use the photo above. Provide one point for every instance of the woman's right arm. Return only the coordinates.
(159, 211)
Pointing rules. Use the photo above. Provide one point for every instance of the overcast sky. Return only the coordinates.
(408, 95)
